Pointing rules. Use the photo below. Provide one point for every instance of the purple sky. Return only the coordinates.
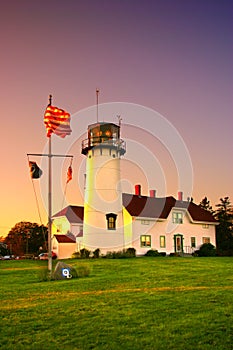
(172, 56)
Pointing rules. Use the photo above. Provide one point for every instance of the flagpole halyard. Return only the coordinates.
(50, 265)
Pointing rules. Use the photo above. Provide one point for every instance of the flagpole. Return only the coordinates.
(50, 201)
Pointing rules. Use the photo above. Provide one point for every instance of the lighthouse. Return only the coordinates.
(103, 216)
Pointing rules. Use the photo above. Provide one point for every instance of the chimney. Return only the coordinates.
(153, 193)
(138, 190)
(180, 196)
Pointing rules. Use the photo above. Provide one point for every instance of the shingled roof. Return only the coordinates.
(64, 239)
(73, 213)
(160, 208)
(148, 207)
(196, 212)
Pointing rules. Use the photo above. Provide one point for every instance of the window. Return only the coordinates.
(145, 222)
(205, 240)
(193, 242)
(205, 226)
(177, 218)
(111, 221)
(145, 241)
(162, 242)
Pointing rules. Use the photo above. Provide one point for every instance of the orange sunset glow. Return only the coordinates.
(174, 58)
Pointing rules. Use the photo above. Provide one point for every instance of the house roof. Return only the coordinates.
(64, 239)
(148, 207)
(145, 207)
(196, 212)
(73, 213)
(160, 208)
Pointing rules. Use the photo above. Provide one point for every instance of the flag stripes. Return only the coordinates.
(57, 121)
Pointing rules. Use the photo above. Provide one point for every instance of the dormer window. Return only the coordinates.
(111, 221)
(177, 218)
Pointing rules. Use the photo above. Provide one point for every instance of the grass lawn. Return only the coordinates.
(139, 303)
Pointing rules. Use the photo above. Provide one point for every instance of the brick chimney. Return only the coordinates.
(153, 193)
(180, 196)
(138, 190)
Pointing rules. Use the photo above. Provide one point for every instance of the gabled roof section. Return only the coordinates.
(64, 239)
(148, 207)
(73, 213)
(160, 208)
(196, 212)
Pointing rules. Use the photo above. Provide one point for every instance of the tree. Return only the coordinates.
(205, 204)
(224, 231)
(3, 246)
(26, 238)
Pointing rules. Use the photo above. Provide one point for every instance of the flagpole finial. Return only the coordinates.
(50, 99)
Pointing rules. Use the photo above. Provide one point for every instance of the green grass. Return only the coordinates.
(141, 303)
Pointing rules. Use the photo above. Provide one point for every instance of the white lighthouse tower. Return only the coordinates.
(103, 217)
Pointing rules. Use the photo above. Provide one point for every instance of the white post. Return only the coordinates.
(50, 207)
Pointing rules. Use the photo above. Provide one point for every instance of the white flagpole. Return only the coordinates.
(50, 201)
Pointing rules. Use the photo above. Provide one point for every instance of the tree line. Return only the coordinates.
(224, 230)
(25, 238)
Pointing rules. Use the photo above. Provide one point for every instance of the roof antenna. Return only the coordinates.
(97, 104)
(119, 120)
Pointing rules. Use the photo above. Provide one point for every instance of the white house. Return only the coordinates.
(67, 231)
(166, 224)
(111, 220)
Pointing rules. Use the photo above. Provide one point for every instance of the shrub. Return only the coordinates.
(175, 254)
(76, 255)
(163, 254)
(152, 252)
(113, 255)
(121, 254)
(96, 253)
(83, 270)
(207, 249)
(85, 253)
(131, 252)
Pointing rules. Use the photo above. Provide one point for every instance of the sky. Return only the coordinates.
(170, 56)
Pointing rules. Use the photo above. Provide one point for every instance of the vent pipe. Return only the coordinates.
(138, 190)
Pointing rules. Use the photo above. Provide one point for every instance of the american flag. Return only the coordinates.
(57, 121)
